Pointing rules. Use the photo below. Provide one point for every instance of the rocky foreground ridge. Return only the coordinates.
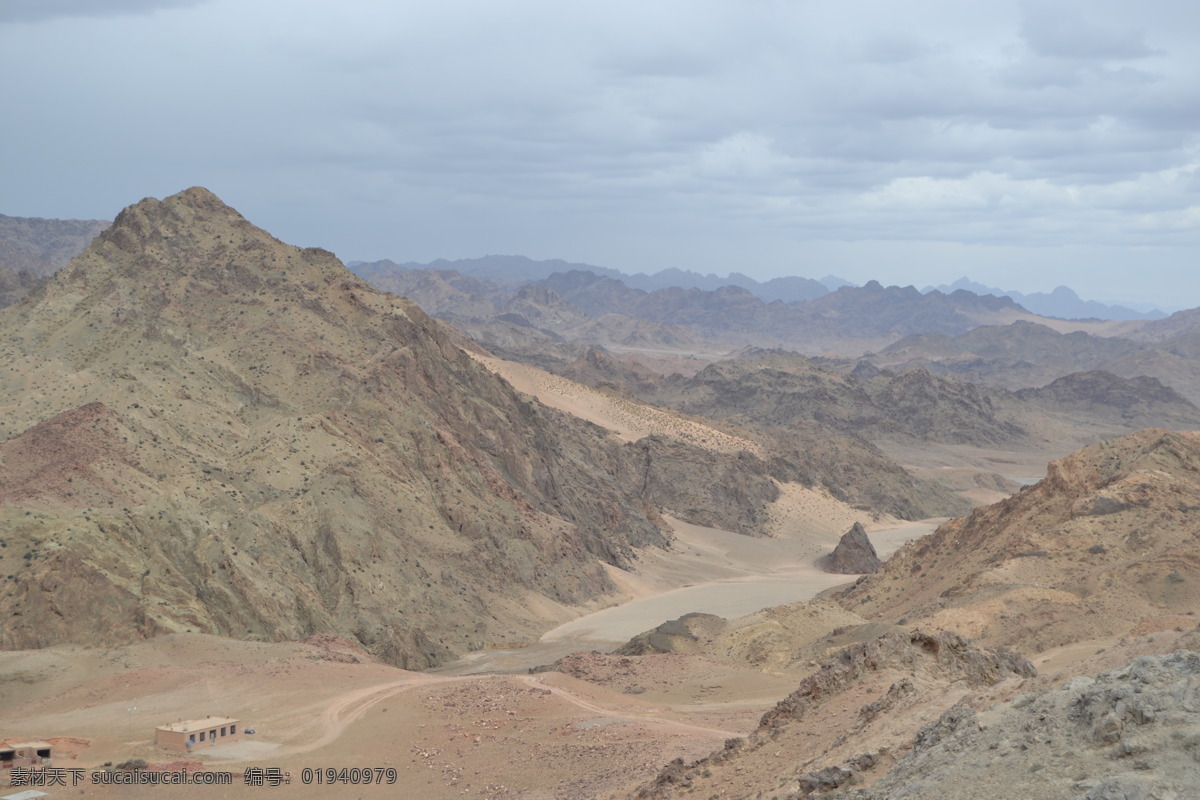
(932, 716)
(856, 715)
(1126, 733)
(207, 429)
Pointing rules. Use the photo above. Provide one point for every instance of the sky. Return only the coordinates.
(1023, 144)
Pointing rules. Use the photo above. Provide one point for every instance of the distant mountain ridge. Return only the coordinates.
(587, 308)
(44, 246)
(520, 269)
(1063, 302)
(1027, 354)
(31, 249)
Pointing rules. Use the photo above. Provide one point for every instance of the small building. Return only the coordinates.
(24, 754)
(185, 736)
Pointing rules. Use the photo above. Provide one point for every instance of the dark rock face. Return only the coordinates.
(854, 554)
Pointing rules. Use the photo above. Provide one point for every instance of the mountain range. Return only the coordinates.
(235, 477)
(515, 271)
(518, 270)
(209, 430)
(1062, 302)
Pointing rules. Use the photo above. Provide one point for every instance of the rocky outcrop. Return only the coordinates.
(789, 638)
(852, 718)
(947, 655)
(1105, 541)
(1126, 733)
(854, 554)
(681, 635)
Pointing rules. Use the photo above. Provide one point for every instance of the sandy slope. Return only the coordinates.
(628, 419)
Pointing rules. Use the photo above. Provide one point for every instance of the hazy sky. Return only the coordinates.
(1022, 144)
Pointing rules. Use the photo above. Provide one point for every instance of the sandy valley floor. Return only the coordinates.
(449, 733)
(484, 726)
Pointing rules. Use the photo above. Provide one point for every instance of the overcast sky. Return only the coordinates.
(1022, 144)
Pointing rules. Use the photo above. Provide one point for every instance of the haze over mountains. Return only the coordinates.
(228, 462)
(32, 248)
(1062, 302)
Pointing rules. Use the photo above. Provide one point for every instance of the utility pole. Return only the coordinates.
(130, 712)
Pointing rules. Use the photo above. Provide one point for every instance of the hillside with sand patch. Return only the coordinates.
(1103, 543)
(209, 430)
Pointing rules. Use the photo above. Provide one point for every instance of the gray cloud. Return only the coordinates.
(1073, 31)
(37, 10)
(753, 136)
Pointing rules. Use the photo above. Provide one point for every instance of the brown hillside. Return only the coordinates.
(211, 430)
(1105, 542)
(15, 284)
(780, 389)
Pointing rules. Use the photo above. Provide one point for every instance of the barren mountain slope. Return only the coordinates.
(439, 293)
(211, 430)
(1028, 354)
(1105, 542)
(1134, 402)
(16, 284)
(1179, 323)
(1130, 732)
(852, 470)
(780, 389)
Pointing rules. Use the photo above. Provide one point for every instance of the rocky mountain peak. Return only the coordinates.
(190, 213)
(193, 236)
